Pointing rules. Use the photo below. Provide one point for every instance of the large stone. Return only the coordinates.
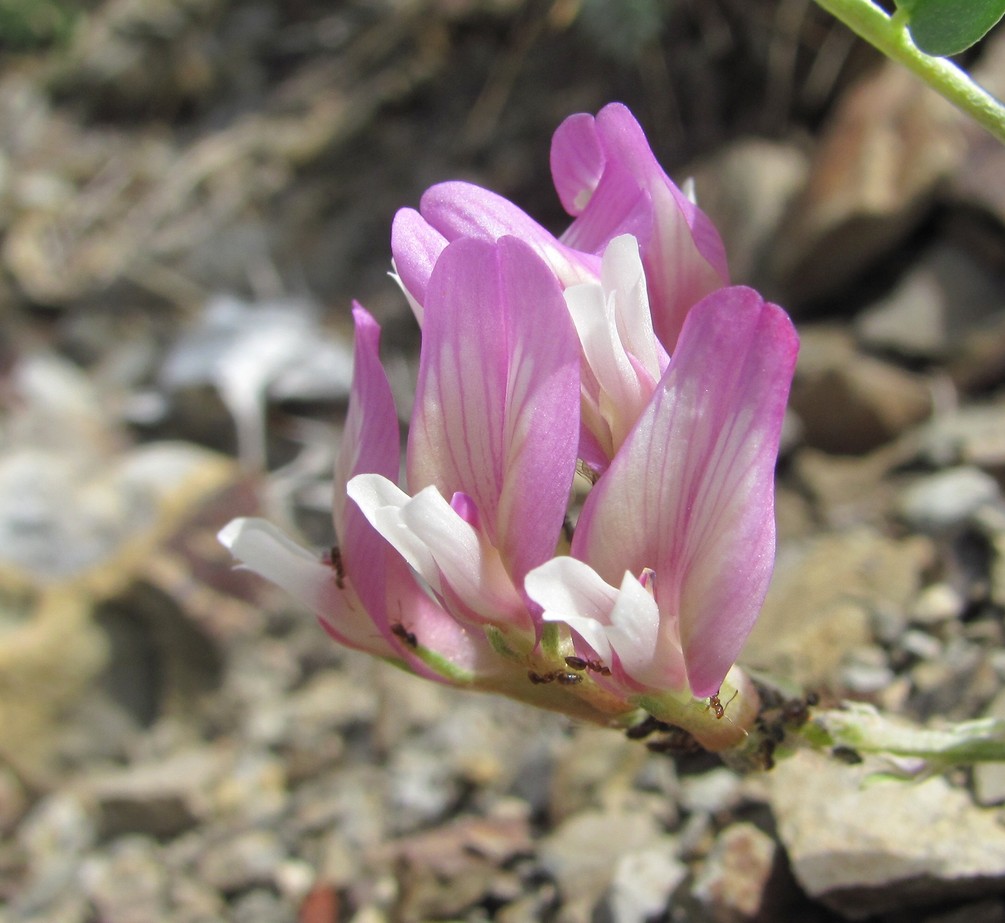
(865, 847)
(849, 402)
(824, 597)
(873, 176)
(741, 876)
(936, 308)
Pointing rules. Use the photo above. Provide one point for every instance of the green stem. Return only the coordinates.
(889, 34)
(865, 730)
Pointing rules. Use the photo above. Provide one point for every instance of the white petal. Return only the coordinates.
(267, 551)
(566, 586)
(441, 546)
(623, 275)
(383, 502)
(635, 622)
(573, 593)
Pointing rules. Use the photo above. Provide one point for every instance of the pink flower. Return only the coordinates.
(617, 346)
(674, 548)
(366, 598)
(609, 180)
(492, 445)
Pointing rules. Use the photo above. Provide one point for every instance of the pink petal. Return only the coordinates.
(681, 249)
(370, 443)
(577, 161)
(457, 210)
(413, 611)
(415, 246)
(497, 401)
(690, 494)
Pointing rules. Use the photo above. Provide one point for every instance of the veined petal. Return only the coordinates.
(267, 551)
(625, 359)
(454, 559)
(691, 492)
(577, 161)
(457, 209)
(684, 259)
(497, 401)
(681, 249)
(370, 443)
(415, 247)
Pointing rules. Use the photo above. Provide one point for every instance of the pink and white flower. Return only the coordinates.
(619, 346)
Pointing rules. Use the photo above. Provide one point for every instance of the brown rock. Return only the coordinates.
(849, 402)
(873, 176)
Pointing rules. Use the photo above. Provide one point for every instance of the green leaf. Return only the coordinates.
(946, 27)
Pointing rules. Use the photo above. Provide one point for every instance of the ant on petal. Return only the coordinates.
(333, 558)
(400, 631)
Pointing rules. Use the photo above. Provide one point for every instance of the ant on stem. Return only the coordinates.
(559, 676)
(580, 663)
(717, 707)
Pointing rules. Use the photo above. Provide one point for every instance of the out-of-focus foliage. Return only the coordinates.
(946, 27)
(27, 24)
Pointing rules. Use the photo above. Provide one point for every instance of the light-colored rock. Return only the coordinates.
(938, 602)
(945, 501)
(130, 883)
(241, 862)
(583, 852)
(823, 599)
(735, 883)
(972, 435)
(746, 189)
(160, 798)
(848, 490)
(644, 882)
(864, 847)
(720, 789)
(945, 299)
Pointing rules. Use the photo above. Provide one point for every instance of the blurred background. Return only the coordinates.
(192, 192)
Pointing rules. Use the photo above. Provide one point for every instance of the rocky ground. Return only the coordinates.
(191, 192)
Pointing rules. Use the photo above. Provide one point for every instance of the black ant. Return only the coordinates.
(579, 663)
(333, 559)
(400, 631)
(559, 676)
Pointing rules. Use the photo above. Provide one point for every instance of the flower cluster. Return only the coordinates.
(613, 372)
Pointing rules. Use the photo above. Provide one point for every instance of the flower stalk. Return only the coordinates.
(889, 34)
